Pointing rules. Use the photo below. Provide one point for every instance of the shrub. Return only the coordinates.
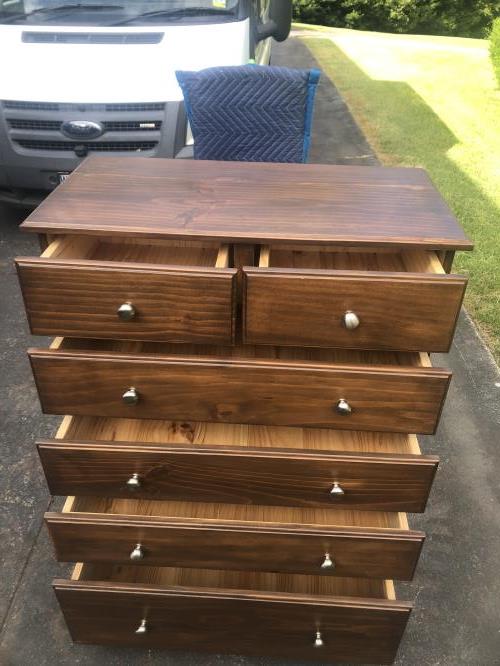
(495, 48)
(468, 18)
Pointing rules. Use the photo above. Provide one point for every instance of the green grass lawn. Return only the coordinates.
(432, 102)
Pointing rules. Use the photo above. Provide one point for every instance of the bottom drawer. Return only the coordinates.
(287, 615)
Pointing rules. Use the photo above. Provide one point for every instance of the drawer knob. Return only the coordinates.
(336, 491)
(142, 628)
(126, 312)
(351, 320)
(131, 396)
(134, 483)
(343, 407)
(328, 563)
(318, 641)
(137, 554)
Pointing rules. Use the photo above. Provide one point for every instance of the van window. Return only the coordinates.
(102, 13)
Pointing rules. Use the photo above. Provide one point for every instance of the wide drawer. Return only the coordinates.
(350, 298)
(331, 541)
(130, 289)
(301, 617)
(215, 462)
(381, 391)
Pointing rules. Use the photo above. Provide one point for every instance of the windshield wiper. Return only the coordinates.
(62, 8)
(176, 13)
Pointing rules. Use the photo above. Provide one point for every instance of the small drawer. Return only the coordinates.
(301, 617)
(214, 462)
(130, 290)
(354, 390)
(370, 544)
(350, 298)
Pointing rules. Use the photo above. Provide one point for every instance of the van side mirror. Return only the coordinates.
(280, 21)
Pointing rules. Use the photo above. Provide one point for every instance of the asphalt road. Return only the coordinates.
(457, 586)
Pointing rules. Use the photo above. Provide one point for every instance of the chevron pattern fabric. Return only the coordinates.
(250, 113)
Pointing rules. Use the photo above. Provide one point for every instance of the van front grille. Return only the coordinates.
(82, 108)
(126, 127)
(109, 126)
(132, 125)
(89, 146)
(30, 106)
(46, 37)
(43, 125)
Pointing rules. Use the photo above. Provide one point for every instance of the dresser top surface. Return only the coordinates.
(251, 202)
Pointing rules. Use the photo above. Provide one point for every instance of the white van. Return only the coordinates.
(83, 76)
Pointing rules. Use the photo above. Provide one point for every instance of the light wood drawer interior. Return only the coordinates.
(351, 259)
(249, 514)
(136, 250)
(348, 357)
(144, 432)
(238, 580)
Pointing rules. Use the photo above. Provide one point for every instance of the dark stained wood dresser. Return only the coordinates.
(241, 356)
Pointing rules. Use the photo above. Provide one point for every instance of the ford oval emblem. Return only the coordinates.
(82, 129)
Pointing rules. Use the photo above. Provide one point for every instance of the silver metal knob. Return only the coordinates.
(318, 641)
(137, 553)
(131, 396)
(336, 490)
(134, 483)
(142, 628)
(327, 563)
(350, 320)
(126, 312)
(343, 407)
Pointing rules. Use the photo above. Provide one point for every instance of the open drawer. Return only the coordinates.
(339, 542)
(130, 289)
(354, 390)
(324, 619)
(238, 464)
(383, 299)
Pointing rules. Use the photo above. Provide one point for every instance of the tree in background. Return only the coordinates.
(495, 48)
(466, 18)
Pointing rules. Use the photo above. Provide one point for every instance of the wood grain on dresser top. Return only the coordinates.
(389, 391)
(245, 202)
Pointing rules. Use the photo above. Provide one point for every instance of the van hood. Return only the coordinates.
(96, 73)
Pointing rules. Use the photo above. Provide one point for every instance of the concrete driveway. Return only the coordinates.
(457, 587)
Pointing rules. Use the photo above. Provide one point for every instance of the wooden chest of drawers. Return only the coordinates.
(242, 359)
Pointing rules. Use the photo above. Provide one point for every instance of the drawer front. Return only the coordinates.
(236, 475)
(395, 311)
(209, 544)
(384, 398)
(176, 305)
(364, 630)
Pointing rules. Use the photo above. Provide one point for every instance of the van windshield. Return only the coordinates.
(109, 13)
